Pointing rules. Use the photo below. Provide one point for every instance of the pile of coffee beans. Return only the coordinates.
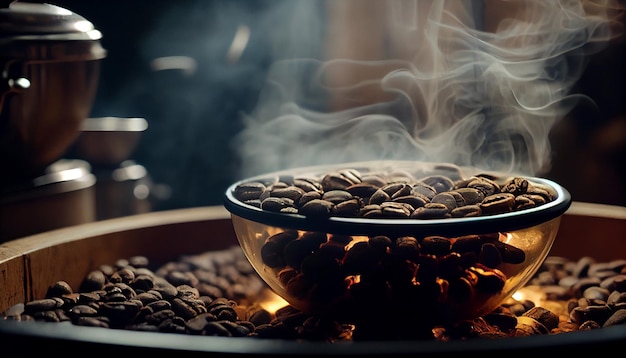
(435, 278)
(217, 293)
(393, 194)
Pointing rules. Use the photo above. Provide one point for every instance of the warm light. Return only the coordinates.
(506, 237)
(271, 302)
(531, 293)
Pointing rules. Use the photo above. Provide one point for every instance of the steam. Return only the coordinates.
(436, 81)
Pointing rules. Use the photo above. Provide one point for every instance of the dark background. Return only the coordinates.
(192, 117)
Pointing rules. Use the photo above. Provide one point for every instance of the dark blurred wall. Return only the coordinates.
(193, 116)
(589, 145)
(192, 113)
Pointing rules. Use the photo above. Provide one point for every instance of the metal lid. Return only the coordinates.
(31, 21)
(62, 176)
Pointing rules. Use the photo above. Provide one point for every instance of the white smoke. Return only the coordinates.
(474, 83)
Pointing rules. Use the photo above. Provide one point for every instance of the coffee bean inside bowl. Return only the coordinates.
(353, 193)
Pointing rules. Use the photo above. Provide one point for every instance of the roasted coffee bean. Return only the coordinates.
(379, 197)
(543, 316)
(142, 282)
(391, 209)
(395, 190)
(471, 196)
(497, 204)
(249, 191)
(488, 280)
(362, 190)
(447, 199)
(431, 211)
(523, 202)
(548, 193)
(527, 201)
(490, 255)
(436, 245)
(583, 283)
(59, 289)
(412, 200)
(424, 190)
(44, 304)
(291, 192)
(375, 179)
(528, 326)
(317, 208)
(94, 280)
(485, 185)
(183, 309)
(272, 252)
(467, 243)
(614, 283)
(83, 310)
(119, 314)
(371, 211)
(516, 186)
(338, 181)
(466, 211)
(307, 184)
(438, 182)
(510, 254)
(275, 204)
(406, 248)
(297, 250)
(619, 317)
(282, 182)
(460, 200)
(598, 314)
(172, 325)
(596, 293)
(347, 208)
(126, 275)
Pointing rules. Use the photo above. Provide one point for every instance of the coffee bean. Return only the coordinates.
(431, 211)
(516, 186)
(307, 184)
(497, 204)
(391, 209)
(466, 211)
(338, 181)
(317, 208)
(440, 183)
(619, 317)
(436, 245)
(471, 196)
(446, 199)
(94, 280)
(276, 204)
(485, 185)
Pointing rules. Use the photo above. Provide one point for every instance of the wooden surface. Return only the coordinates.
(29, 265)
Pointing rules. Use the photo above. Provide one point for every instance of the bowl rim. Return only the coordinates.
(504, 222)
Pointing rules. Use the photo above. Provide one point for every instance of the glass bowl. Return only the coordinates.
(376, 241)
